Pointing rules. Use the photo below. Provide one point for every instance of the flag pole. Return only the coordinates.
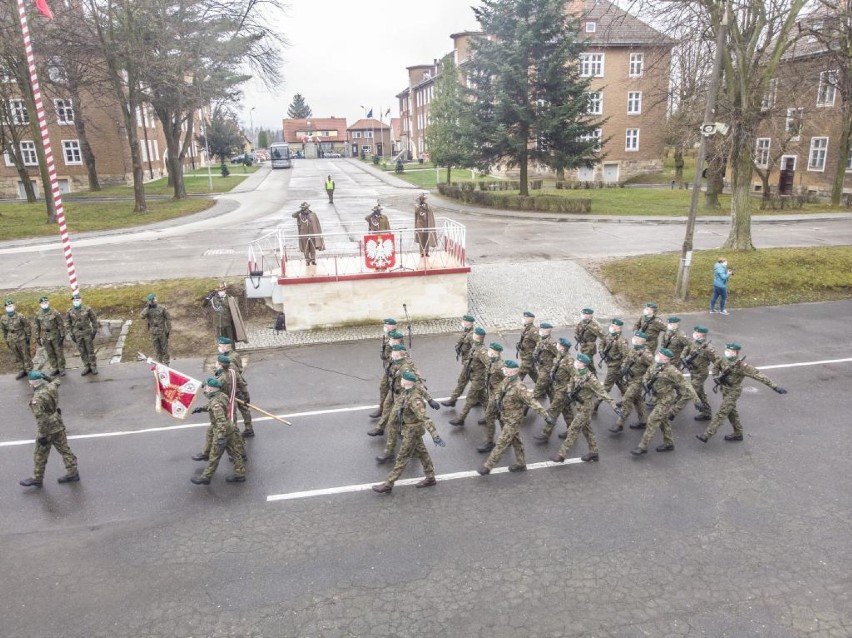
(45, 141)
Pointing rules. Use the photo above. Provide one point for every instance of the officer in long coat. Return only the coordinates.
(424, 218)
(310, 233)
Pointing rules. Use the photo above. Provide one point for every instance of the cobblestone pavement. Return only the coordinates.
(498, 295)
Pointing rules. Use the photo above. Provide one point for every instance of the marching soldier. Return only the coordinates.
(512, 397)
(696, 358)
(50, 432)
(543, 358)
(159, 327)
(225, 346)
(673, 339)
(586, 335)
(561, 375)
(388, 326)
(16, 331)
(310, 233)
(232, 386)
(83, 327)
(493, 380)
(424, 224)
(412, 419)
(224, 433)
(477, 366)
(636, 362)
(668, 391)
(729, 374)
(50, 334)
(650, 324)
(582, 391)
(377, 221)
(526, 346)
(613, 351)
(463, 346)
(233, 378)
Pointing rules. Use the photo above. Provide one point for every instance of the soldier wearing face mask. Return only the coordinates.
(526, 346)
(586, 335)
(696, 358)
(613, 349)
(16, 331)
(543, 357)
(636, 362)
(493, 379)
(669, 392)
(225, 346)
(50, 334)
(729, 374)
(673, 339)
(463, 346)
(83, 327)
(159, 324)
(477, 364)
(650, 324)
(224, 435)
(560, 376)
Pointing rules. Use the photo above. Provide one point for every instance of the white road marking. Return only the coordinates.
(804, 364)
(346, 489)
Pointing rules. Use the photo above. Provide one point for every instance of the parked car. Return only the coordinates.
(328, 154)
(244, 158)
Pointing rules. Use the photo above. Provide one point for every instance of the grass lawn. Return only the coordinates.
(427, 178)
(196, 182)
(21, 220)
(668, 173)
(767, 277)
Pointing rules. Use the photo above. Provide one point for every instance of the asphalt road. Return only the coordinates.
(215, 243)
(722, 539)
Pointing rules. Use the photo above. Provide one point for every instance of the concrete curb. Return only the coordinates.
(119, 344)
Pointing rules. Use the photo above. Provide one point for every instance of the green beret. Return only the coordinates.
(587, 311)
(224, 340)
(702, 329)
(733, 346)
(224, 359)
(527, 313)
(617, 322)
(43, 299)
(35, 375)
(565, 342)
(479, 331)
(399, 347)
(640, 334)
(395, 334)
(408, 375)
(651, 304)
(9, 302)
(496, 346)
(509, 363)
(582, 358)
(213, 382)
(545, 326)
(390, 322)
(468, 318)
(674, 320)
(76, 295)
(151, 297)
(666, 352)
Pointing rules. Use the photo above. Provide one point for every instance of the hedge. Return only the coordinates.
(466, 192)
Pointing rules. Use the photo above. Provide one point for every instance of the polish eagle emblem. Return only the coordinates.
(380, 252)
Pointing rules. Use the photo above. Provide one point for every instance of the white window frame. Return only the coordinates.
(74, 147)
(64, 108)
(634, 102)
(794, 115)
(592, 65)
(634, 138)
(783, 159)
(596, 99)
(636, 67)
(827, 90)
(29, 150)
(597, 134)
(814, 152)
(849, 161)
(768, 100)
(591, 26)
(761, 151)
(18, 112)
(356, 135)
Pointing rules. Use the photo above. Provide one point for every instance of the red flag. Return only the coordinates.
(175, 391)
(43, 9)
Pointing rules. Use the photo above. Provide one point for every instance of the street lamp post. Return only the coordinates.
(251, 128)
(207, 150)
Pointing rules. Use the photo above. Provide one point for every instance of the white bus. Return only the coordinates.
(279, 154)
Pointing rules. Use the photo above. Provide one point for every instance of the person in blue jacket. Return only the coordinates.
(721, 274)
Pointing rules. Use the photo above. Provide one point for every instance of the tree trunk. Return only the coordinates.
(739, 237)
(842, 159)
(449, 174)
(715, 176)
(560, 174)
(47, 188)
(171, 131)
(129, 112)
(80, 128)
(29, 190)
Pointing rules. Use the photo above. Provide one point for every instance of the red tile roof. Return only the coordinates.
(296, 129)
(367, 125)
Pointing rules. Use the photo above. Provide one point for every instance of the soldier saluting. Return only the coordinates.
(310, 233)
(424, 224)
(377, 221)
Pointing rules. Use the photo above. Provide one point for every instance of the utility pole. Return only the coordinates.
(709, 118)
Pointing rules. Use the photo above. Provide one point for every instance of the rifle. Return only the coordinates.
(555, 367)
(458, 349)
(579, 337)
(686, 362)
(605, 351)
(648, 387)
(575, 393)
(720, 380)
(408, 322)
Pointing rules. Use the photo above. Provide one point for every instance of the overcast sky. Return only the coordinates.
(344, 54)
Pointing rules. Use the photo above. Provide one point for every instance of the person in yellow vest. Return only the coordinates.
(329, 188)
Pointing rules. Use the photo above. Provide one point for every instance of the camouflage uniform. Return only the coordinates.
(229, 379)
(51, 430)
(543, 357)
(525, 348)
(50, 334)
(562, 373)
(477, 366)
(582, 392)
(697, 359)
(493, 380)
(83, 327)
(670, 391)
(613, 350)
(586, 335)
(651, 326)
(159, 327)
(675, 341)
(413, 421)
(512, 397)
(383, 384)
(16, 331)
(732, 376)
(222, 428)
(463, 346)
(396, 394)
(635, 364)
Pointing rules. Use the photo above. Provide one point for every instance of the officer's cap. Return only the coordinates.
(408, 375)
(527, 313)
(587, 311)
(43, 299)
(666, 352)
(213, 382)
(468, 318)
(222, 286)
(224, 359)
(304, 206)
(479, 331)
(151, 297)
(702, 329)
(582, 358)
(565, 342)
(674, 320)
(545, 326)
(390, 322)
(395, 334)
(224, 341)
(640, 334)
(509, 363)
(733, 346)
(399, 347)
(496, 346)
(617, 322)
(35, 375)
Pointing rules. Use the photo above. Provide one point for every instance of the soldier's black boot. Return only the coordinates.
(563, 435)
(375, 432)
(450, 403)
(56, 373)
(518, 467)
(248, 433)
(235, 478)
(617, 429)
(483, 470)
(30, 482)
(86, 370)
(200, 457)
(638, 451)
(638, 426)
(703, 417)
(381, 488)
(734, 437)
(384, 458)
(200, 480)
(21, 375)
(589, 457)
(69, 478)
(665, 447)
(376, 414)
(457, 422)
(94, 370)
(557, 458)
(481, 422)
(541, 438)
(486, 447)
(702, 437)
(429, 481)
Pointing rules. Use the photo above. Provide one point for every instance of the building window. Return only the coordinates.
(793, 123)
(592, 65)
(64, 111)
(595, 103)
(634, 102)
(761, 152)
(71, 151)
(366, 149)
(18, 111)
(637, 65)
(768, 100)
(849, 161)
(631, 140)
(591, 27)
(827, 88)
(356, 135)
(597, 135)
(816, 157)
(368, 134)
(28, 154)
